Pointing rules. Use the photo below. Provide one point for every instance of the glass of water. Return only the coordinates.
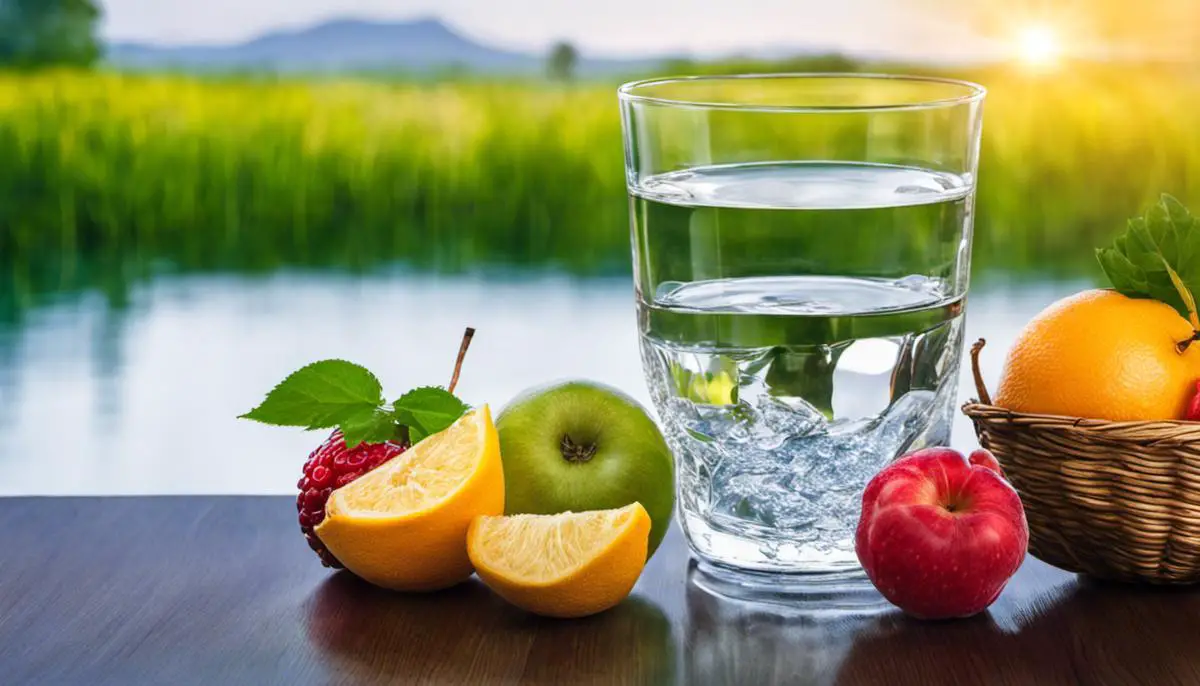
(801, 249)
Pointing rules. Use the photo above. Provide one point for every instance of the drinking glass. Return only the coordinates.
(801, 253)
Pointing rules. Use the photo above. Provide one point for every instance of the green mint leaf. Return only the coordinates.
(376, 426)
(322, 395)
(427, 410)
(1157, 257)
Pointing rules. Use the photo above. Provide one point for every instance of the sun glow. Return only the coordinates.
(1038, 46)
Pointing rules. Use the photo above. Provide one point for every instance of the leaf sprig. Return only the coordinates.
(1158, 257)
(337, 393)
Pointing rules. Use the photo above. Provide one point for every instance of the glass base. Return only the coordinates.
(735, 546)
(841, 593)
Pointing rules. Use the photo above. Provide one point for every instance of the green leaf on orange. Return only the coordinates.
(1158, 257)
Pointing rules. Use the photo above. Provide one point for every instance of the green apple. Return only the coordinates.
(581, 446)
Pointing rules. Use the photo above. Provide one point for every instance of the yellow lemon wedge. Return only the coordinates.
(564, 565)
(404, 524)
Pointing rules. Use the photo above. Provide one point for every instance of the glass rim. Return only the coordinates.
(974, 92)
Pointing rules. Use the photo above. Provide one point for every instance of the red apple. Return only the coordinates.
(941, 534)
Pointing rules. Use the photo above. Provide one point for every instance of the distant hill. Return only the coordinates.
(348, 45)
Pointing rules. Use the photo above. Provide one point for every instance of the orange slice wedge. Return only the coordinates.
(565, 565)
(404, 525)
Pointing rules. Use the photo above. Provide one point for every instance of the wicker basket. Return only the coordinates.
(1115, 500)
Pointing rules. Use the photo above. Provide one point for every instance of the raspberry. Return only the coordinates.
(329, 467)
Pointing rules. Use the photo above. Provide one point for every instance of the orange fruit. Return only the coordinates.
(1101, 355)
(404, 525)
(564, 565)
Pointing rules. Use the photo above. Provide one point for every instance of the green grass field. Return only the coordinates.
(250, 174)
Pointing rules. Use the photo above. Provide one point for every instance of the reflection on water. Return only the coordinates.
(137, 393)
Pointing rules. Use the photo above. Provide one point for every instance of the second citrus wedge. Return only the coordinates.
(565, 565)
(404, 525)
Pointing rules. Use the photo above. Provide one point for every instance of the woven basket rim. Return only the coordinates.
(1162, 430)
(1166, 430)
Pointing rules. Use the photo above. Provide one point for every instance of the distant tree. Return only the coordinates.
(562, 61)
(35, 33)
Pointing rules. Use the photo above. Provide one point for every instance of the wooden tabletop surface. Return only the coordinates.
(223, 590)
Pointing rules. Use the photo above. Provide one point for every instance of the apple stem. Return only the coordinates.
(462, 353)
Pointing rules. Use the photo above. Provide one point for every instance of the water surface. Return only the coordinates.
(139, 395)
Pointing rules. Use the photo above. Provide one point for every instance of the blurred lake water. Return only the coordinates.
(140, 396)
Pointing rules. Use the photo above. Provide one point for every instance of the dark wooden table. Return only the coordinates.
(219, 590)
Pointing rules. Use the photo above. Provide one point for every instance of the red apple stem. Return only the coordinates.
(462, 353)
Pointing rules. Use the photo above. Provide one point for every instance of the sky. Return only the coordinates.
(607, 27)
